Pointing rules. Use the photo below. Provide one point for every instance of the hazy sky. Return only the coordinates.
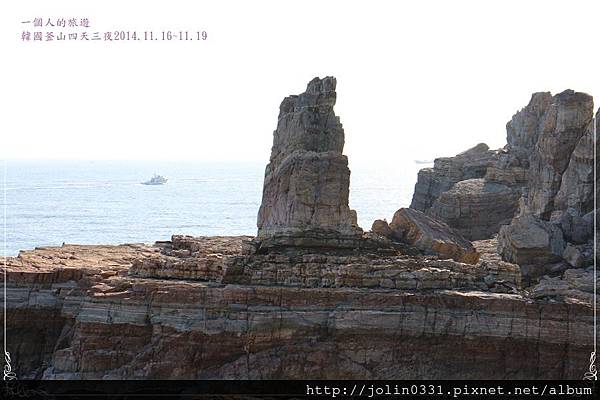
(416, 79)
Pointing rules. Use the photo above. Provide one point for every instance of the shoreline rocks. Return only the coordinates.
(76, 312)
(536, 193)
(556, 209)
(314, 297)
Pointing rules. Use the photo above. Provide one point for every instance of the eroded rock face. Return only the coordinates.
(474, 192)
(543, 178)
(547, 139)
(560, 129)
(306, 188)
(559, 195)
(522, 131)
(432, 182)
(574, 202)
(382, 228)
(431, 236)
(575, 283)
(476, 207)
(315, 316)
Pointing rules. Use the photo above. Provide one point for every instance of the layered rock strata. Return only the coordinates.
(79, 312)
(313, 297)
(560, 191)
(536, 192)
(306, 187)
(474, 192)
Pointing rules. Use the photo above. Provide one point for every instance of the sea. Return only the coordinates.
(48, 203)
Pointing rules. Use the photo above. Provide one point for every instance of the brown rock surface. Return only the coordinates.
(77, 313)
(381, 227)
(187, 257)
(431, 236)
(306, 188)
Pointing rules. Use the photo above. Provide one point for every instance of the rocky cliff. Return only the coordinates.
(555, 219)
(536, 192)
(313, 296)
(100, 312)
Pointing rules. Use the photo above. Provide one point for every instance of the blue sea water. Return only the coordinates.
(103, 202)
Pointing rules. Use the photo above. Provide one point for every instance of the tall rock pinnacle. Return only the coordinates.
(306, 187)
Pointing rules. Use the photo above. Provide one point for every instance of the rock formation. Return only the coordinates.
(313, 297)
(536, 192)
(474, 192)
(560, 191)
(476, 207)
(529, 240)
(428, 235)
(84, 312)
(305, 194)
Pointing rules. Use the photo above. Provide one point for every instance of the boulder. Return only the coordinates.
(306, 186)
(382, 228)
(430, 236)
(529, 240)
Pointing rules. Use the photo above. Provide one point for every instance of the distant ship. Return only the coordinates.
(156, 180)
(424, 161)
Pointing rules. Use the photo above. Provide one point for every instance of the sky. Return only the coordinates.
(416, 80)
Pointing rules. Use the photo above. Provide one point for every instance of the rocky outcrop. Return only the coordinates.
(548, 148)
(476, 207)
(306, 188)
(574, 202)
(529, 240)
(186, 257)
(536, 192)
(474, 192)
(522, 131)
(78, 312)
(426, 234)
(313, 297)
(560, 129)
(559, 195)
(446, 171)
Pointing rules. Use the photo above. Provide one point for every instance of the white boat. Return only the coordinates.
(424, 161)
(156, 180)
